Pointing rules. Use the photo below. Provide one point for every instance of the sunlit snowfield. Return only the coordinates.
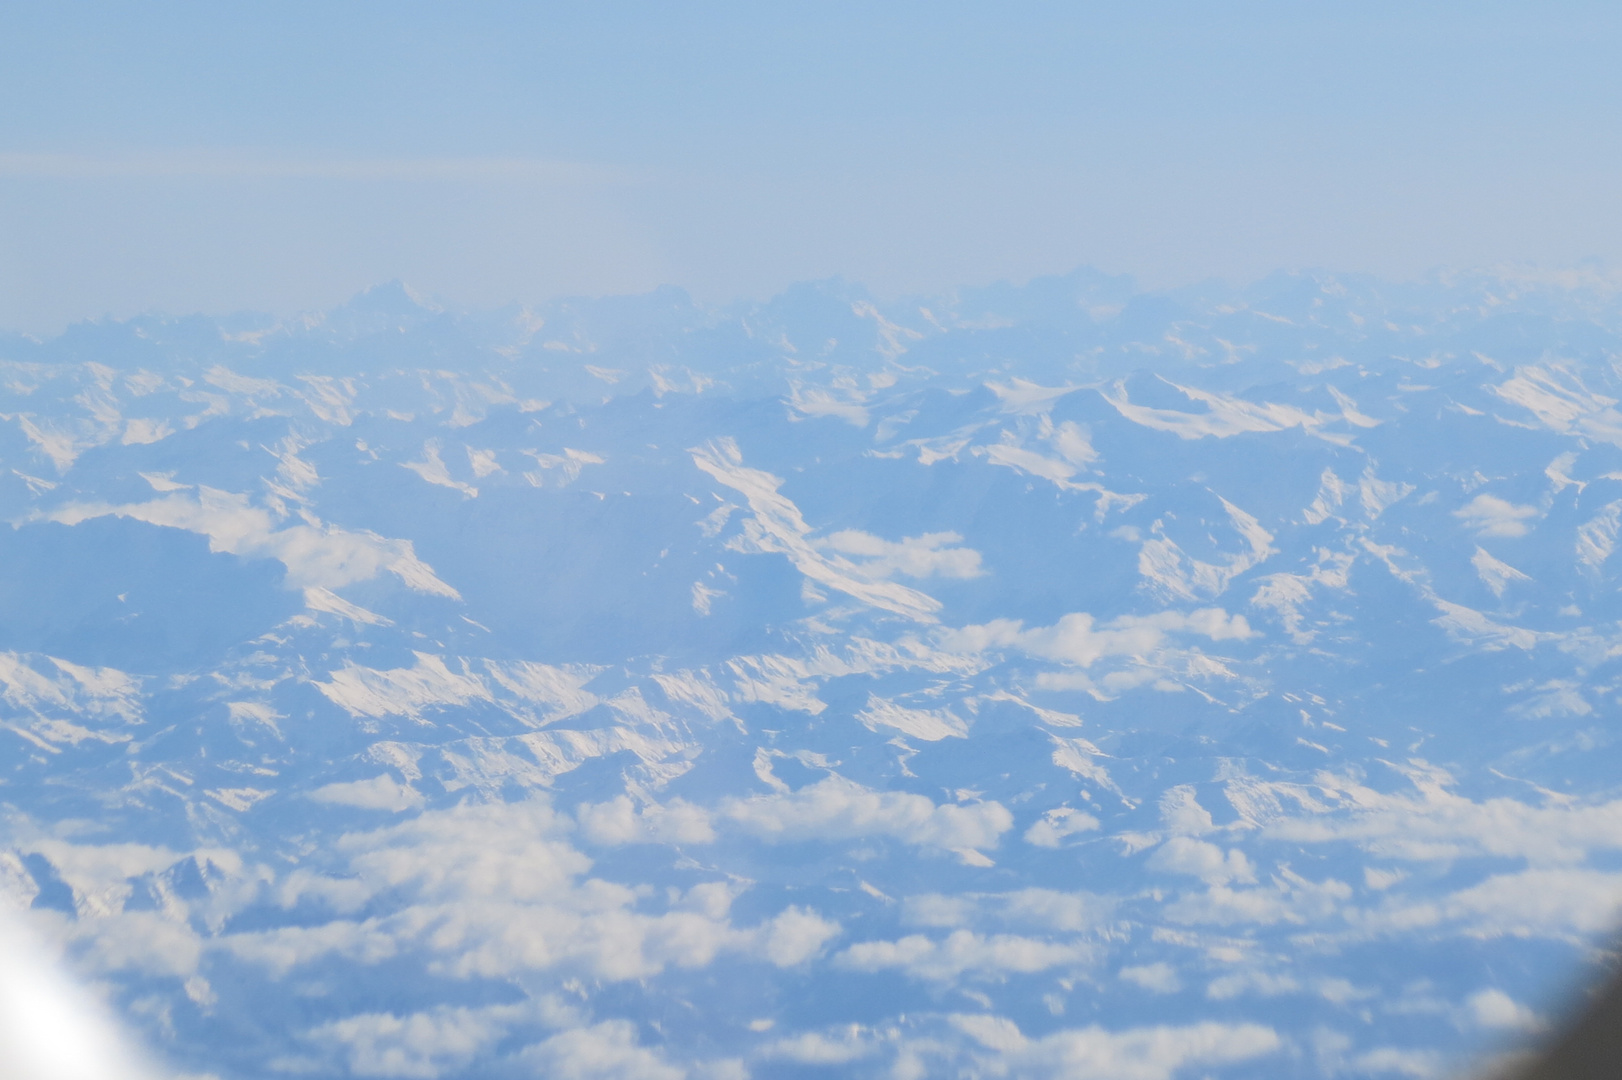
(1038, 682)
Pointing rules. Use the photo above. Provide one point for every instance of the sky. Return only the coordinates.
(177, 157)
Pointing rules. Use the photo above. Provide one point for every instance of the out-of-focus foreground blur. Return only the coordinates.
(52, 1028)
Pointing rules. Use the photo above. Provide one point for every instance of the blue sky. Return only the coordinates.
(191, 156)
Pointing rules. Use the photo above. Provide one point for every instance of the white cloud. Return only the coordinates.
(1047, 908)
(379, 793)
(1489, 515)
(1433, 823)
(928, 555)
(1157, 977)
(496, 890)
(1288, 898)
(1185, 855)
(285, 948)
(1262, 983)
(964, 951)
(1420, 1064)
(1146, 1053)
(139, 432)
(1139, 646)
(605, 1051)
(1079, 639)
(618, 821)
(838, 809)
(1493, 1008)
(1057, 825)
(795, 935)
(1570, 904)
(1181, 813)
(420, 1045)
(837, 1047)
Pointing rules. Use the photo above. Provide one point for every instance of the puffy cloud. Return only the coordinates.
(605, 1051)
(964, 951)
(1056, 825)
(1382, 1060)
(513, 851)
(1263, 983)
(795, 935)
(618, 821)
(1560, 903)
(835, 808)
(1185, 855)
(419, 1045)
(838, 1047)
(1433, 822)
(1489, 515)
(928, 555)
(1158, 977)
(1146, 1053)
(1047, 908)
(1081, 640)
(379, 793)
(285, 948)
(1493, 1008)
(496, 890)
(1182, 814)
(1289, 898)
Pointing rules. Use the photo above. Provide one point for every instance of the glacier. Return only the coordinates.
(1051, 680)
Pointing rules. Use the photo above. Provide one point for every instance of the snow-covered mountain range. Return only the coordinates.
(1044, 681)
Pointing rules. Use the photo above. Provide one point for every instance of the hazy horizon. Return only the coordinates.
(188, 158)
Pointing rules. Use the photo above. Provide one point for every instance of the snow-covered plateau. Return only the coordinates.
(1052, 681)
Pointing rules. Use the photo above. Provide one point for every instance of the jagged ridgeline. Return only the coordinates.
(1045, 681)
